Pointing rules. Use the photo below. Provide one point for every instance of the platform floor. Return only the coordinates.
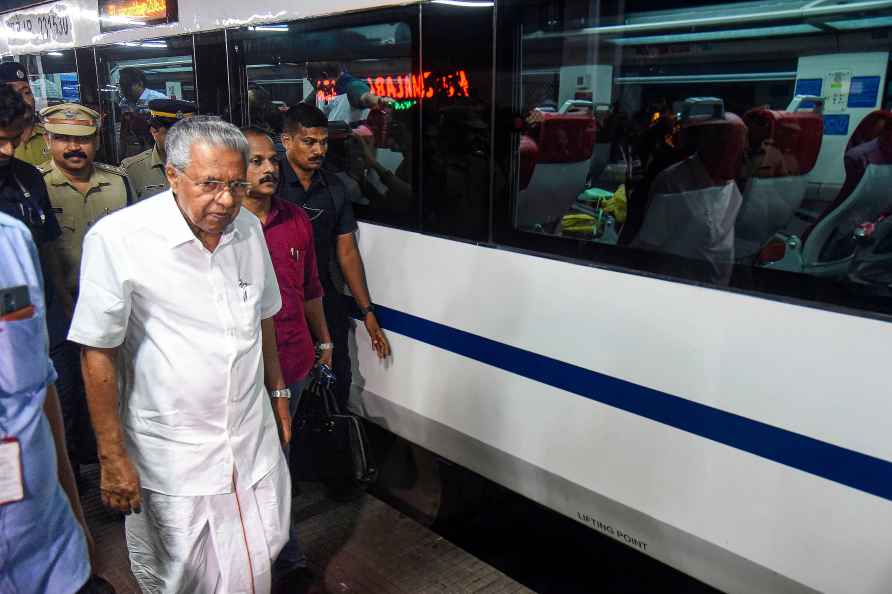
(364, 546)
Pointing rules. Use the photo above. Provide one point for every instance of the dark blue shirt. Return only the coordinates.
(327, 204)
(35, 211)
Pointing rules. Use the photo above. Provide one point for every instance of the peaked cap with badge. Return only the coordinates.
(13, 72)
(72, 119)
(167, 112)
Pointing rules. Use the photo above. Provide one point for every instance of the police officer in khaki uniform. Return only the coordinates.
(32, 148)
(81, 191)
(146, 170)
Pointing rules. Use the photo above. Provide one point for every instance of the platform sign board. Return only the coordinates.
(115, 15)
(47, 24)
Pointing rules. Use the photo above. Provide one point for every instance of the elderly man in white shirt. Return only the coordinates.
(175, 313)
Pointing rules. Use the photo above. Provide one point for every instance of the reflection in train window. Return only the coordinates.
(130, 75)
(720, 152)
(361, 76)
(457, 119)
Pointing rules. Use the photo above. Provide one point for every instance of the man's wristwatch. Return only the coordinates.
(280, 393)
(325, 346)
(367, 310)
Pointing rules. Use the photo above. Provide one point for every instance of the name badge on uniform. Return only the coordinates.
(12, 487)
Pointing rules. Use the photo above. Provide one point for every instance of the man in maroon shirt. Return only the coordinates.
(289, 236)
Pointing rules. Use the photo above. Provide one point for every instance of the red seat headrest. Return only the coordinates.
(797, 135)
(378, 122)
(529, 155)
(566, 138)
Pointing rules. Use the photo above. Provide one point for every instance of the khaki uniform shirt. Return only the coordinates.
(34, 149)
(146, 173)
(76, 212)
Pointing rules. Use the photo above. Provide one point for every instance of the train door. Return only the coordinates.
(130, 75)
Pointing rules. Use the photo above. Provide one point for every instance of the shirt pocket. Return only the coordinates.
(247, 298)
(69, 227)
(290, 276)
(294, 268)
(23, 352)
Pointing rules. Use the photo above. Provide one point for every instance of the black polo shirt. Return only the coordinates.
(36, 212)
(328, 206)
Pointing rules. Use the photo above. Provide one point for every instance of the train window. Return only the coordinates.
(724, 143)
(130, 75)
(456, 119)
(358, 70)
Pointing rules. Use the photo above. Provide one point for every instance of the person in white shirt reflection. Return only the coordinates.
(693, 205)
(175, 314)
(135, 94)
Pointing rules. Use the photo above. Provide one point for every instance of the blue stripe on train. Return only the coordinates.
(848, 467)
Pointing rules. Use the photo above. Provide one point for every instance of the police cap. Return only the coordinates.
(167, 112)
(70, 118)
(11, 72)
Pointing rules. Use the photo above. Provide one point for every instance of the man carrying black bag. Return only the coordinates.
(289, 237)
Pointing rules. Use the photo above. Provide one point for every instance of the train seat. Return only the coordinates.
(694, 204)
(557, 168)
(871, 267)
(784, 148)
(826, 249)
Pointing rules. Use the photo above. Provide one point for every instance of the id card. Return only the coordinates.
(12, 486)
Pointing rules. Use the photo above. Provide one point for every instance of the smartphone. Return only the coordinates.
(13, 299)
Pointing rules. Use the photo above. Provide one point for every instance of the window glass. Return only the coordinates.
(53, 77)
(457, 119)
(130, 75)
(358, 70)
(732, 144)
(212, 77)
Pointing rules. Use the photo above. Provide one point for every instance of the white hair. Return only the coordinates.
(208, 129)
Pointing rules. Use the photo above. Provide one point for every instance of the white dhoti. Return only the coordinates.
(214, 544)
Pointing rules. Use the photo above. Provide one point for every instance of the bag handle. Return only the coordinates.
(324, 379)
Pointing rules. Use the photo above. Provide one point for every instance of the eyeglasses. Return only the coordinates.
(238, 189)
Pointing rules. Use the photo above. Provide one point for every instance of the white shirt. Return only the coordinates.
(143, 102)
(192, 398)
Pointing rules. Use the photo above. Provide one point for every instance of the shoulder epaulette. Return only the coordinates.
(45, 167)
(110, 169)
(125, 163)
